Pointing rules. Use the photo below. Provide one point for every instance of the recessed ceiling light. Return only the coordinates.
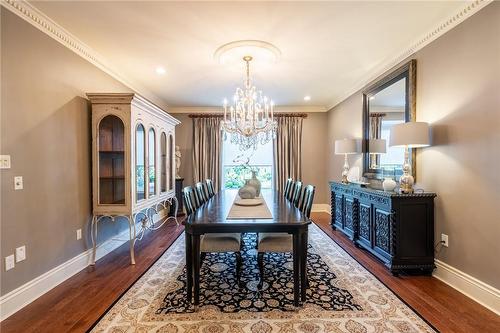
(160, 70)
(307, 98)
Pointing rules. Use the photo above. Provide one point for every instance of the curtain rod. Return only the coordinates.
(217, 115)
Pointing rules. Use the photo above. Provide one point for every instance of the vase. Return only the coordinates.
(247, 191)
(255, 183)
(389, 184)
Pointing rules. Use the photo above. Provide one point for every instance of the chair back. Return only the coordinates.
(201, 193)
(189, 199)
(307, 200)
(288, 188)
(210, 188)
(297, 192)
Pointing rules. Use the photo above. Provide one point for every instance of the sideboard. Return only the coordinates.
(396, 228)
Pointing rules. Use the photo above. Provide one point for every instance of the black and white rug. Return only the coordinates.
(218, 285)
(342, 296)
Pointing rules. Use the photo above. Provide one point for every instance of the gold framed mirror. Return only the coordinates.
(389, 101)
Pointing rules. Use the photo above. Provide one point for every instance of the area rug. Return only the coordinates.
(342, 296)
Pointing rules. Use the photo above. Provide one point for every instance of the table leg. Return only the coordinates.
(196, 268)
(189, 267)
(303, 265)
(296, 268)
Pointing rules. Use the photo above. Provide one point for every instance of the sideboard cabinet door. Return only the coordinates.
(382, 232)
(365, 225)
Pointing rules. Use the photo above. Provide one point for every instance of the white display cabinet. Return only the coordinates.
(133, 163)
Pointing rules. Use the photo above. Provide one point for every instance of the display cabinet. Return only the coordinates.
(133, 164)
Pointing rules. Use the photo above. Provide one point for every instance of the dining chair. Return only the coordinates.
(213, 242)
(281, 242)
(297, 192)
(288, 188)
(201, 193)
(210, 188)
(189, 200)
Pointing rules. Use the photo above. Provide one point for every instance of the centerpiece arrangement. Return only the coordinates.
(249, 194)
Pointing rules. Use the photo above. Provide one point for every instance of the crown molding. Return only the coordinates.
(218, 109)
(45, 24)
(445, 26)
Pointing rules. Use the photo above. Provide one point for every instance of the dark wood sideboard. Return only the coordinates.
(396, 228)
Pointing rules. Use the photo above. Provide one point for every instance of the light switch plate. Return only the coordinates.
(444, 239)
(18, 183)
(4, 161)
(9, 262)
(21, 253)
(78, 234)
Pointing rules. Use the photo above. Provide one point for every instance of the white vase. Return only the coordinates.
(255, 183)
(389, 184)
(247, 191)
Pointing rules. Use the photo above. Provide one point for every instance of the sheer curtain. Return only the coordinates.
(288, 149)
(207, 149)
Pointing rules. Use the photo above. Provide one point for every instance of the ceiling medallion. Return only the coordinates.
(260, 51)
(250, 119)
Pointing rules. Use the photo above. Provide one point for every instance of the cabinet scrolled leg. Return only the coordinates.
(131, 225)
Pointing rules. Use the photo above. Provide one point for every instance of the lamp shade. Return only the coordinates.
(377, 146)
(346, 146)
(411, 134)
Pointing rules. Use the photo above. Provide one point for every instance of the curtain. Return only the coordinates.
(375, 133)
(287, 150)
(207, 150)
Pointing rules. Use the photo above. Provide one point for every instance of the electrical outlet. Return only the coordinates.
(21, 253)
(4, 161)
(78, 234)
(444, 239)
(18, 183)
(9, 262)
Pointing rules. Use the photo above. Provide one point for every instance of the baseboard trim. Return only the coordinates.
(18, 298)
(486, 295)
(320, 208)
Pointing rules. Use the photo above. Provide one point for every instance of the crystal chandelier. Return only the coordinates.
(250, 119)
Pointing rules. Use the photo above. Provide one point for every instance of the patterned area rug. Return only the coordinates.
(342, 296)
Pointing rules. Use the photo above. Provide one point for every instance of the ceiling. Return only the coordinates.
(327, 48)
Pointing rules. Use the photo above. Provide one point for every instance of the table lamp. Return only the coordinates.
(376, 147)
(409, 135)
(346, 146)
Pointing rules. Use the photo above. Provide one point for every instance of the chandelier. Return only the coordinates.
(250, 119)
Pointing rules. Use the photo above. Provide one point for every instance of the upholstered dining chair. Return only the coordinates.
(288, 188)
(216, 242)
(189, 198)
(201, 193)
(281, 242)
(210, 188)
(297, 192)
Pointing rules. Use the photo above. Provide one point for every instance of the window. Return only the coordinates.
(151, 162)
(395, 155)
(234, 170)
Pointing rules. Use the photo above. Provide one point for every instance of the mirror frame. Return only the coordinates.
(409, 72)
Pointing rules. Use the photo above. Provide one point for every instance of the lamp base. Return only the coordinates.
(406, 184)
(345, 172)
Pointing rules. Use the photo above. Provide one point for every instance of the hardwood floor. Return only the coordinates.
(80, 301)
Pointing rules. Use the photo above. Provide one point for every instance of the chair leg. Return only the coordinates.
(260, 263)
(238, 267)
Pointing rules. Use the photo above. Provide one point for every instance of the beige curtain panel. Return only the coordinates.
(287, 150)
(207, 150)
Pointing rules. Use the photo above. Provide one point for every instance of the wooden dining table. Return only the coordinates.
(211, 217)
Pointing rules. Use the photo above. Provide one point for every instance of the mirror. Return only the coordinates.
(388, 102)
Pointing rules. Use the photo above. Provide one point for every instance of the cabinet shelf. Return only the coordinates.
(112, 178)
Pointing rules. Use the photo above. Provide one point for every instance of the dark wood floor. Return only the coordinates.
(81, 300)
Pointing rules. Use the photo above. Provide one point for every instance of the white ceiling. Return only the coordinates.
(327, 48)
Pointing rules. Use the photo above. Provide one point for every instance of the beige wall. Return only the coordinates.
(45, 127)
(313, 147)
(458, 93)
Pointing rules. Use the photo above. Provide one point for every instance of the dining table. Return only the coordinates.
(212, 217)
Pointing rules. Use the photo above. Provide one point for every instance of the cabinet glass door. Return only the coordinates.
(151, 163)
(140, 161)
(111, 164)
(170, 162)
(163, 162)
